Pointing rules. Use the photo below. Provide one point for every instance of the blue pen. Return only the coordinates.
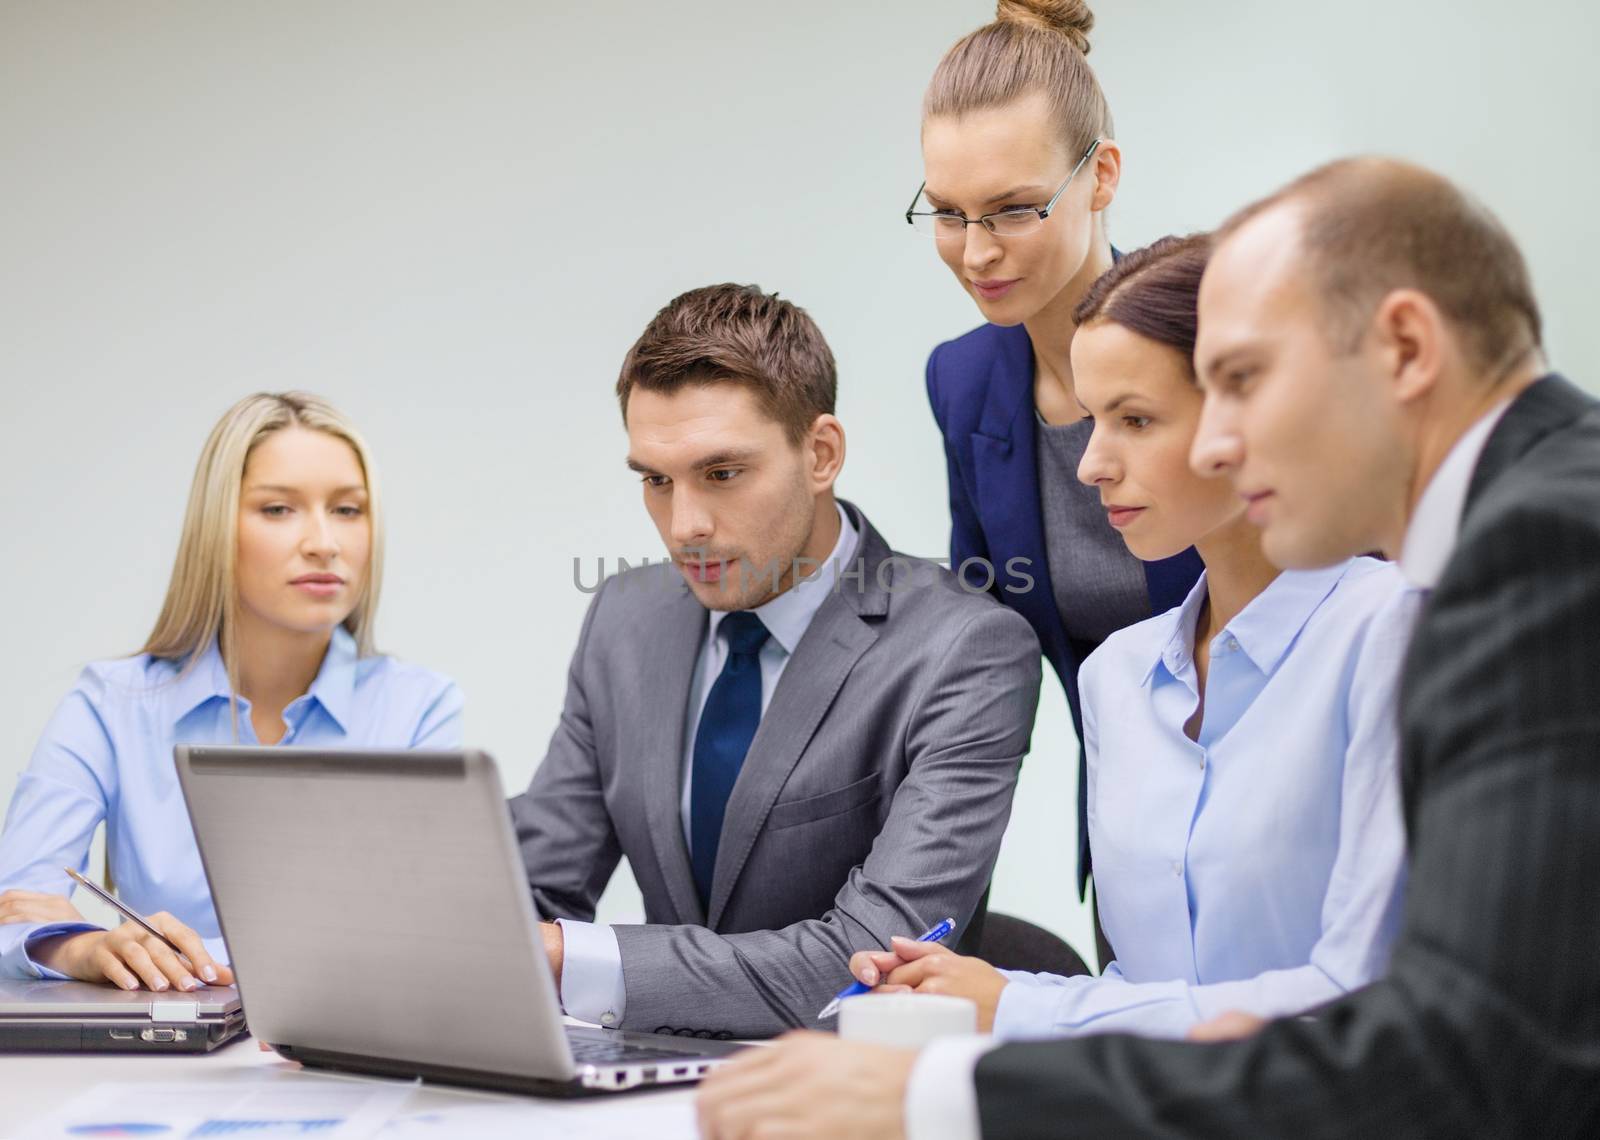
(937, 934)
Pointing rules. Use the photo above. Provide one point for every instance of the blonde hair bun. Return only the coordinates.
(1072, 18)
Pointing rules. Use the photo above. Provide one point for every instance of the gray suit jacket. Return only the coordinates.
(871, 803)
(1488, 1023)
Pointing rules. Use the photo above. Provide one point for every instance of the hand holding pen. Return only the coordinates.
(157, 953)
(929, 968)
(938, 934)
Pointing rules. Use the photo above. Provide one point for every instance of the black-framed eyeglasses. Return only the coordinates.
(1013, 221)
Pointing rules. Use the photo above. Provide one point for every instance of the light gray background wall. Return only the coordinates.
(452, 219)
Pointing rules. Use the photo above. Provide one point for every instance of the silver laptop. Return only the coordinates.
(379, 920)
(80, 1017)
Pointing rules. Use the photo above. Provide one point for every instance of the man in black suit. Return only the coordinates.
(1370, 350)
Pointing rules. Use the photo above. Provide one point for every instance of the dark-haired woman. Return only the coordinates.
(1243, 788)
(1020, 165)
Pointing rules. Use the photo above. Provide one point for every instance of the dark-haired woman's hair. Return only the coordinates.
(1153, 292)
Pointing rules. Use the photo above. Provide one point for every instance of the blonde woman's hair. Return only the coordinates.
(1032, 45)
(202, 600)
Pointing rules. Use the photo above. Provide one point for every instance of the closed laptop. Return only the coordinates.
(79, 1017)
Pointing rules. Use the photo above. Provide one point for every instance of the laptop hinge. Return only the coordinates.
(175, 1012)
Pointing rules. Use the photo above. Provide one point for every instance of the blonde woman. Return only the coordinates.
(265, 637)
(1020, 164)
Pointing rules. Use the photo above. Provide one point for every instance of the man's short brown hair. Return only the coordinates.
(1373, 225)
(737, 334)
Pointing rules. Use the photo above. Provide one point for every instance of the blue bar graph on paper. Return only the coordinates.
(265, 1127)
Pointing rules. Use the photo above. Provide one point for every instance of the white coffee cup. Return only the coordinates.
(908, 1021)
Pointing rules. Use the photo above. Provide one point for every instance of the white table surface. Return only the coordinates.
(32, 1085)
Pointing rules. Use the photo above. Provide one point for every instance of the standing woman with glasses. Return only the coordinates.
(1020, 166)
(265, 637)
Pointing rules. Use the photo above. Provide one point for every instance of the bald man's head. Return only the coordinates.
(1352, 325)
(1369, 226)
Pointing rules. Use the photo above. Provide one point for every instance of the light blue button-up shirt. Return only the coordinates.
(107, 755)
(1260, 868)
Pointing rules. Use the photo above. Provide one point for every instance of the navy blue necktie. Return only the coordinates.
(728, 723)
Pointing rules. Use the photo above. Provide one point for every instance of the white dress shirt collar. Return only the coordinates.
(1431, 534)
(788, 615)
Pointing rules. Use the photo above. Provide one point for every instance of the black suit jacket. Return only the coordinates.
(1488, 1023)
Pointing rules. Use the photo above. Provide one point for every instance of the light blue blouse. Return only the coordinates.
(1261, 868)
(106, 754)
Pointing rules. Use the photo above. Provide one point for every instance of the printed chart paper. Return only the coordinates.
(326, 1109)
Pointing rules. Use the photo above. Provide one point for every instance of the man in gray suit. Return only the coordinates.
(802, 742)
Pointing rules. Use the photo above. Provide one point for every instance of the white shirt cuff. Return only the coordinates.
(942, 1097)
(591, 973)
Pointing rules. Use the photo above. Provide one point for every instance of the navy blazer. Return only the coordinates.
(981, 389)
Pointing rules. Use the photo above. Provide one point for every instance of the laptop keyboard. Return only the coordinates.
(588, 1052)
